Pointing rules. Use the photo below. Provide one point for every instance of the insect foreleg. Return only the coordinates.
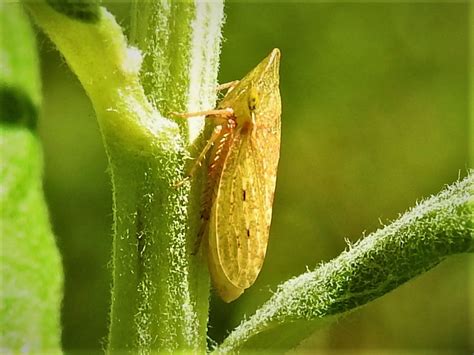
(214, 137)
(224, 113)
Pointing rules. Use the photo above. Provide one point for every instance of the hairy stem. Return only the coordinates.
(160, 292)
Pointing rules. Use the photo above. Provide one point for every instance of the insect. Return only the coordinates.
(243, 154)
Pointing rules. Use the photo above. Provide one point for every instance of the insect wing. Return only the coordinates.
(265, 140)
(238, 237)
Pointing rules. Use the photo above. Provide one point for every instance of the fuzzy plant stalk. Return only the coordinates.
(30, 267)
(160, 291)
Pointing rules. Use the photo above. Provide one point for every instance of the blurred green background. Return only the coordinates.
(375, 117)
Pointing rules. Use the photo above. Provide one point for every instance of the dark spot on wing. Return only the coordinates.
(253, 103)
(248, 233)
(244, 195)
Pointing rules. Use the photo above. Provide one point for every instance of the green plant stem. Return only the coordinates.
(160, 292)
(420, 239)
(30, 268)
(180, 43)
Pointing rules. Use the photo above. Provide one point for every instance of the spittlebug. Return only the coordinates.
(244, 150)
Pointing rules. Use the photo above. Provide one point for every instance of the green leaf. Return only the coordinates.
(20, 89)
(30, 266)
(420, 239)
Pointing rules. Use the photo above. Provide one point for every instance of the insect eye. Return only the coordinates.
(253, 99)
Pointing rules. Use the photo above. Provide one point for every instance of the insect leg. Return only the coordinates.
(224, 113)
(197, 242)
(214, 137)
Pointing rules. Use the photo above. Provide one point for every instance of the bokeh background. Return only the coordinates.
(375, 117)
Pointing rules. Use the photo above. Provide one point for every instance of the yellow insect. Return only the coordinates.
(242, 165)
